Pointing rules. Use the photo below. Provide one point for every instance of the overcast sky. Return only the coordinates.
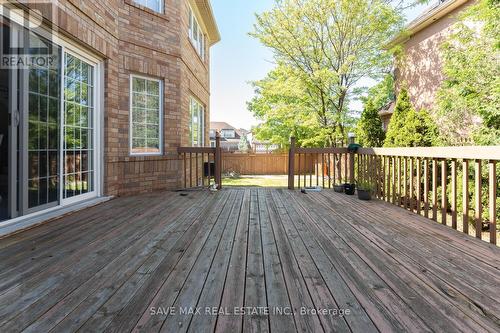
(238, 59)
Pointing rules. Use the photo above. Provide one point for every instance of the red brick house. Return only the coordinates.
(420, 68)
(124, 83)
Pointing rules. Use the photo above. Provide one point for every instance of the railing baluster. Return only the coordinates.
(203, 169)
(434, 189)
(405, 184)
(334, 169)
(209, 169)
(323, 169)
(454, 194)
(478, 207)
(426, 188)
(329, 171)
(310, 169)
(197, 183)
(190, 170)
(492, 201)
(399, 182)
(419, 186)
(444, 181)
(393, 180)
(465, 196)
(410, 199)
(185, 171)
(315, 165)
(382, 178)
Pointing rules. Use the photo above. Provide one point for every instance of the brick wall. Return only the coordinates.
(135, 40)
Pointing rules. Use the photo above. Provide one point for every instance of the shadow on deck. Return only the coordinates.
(247, 259)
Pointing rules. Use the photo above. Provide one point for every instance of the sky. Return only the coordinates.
(239, 59)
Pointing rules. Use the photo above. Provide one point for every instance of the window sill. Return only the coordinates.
(161, 15)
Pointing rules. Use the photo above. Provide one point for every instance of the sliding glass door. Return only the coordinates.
(40, 125)
(47, 125)
(78, 127)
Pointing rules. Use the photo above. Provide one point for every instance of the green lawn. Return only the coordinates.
(257, 181)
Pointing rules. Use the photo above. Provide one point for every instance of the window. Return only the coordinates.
(197, 124)
(196, 35)
(156, 5)
(146, 116)
(228, 133)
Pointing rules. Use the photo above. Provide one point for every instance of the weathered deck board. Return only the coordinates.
(108, 267)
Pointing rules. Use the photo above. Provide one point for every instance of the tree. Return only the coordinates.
(328, 45)
(285, 110)
(409, 128)
(243, 144)
(369, 129)
(471, 64)
(398, 118)
(382, 93)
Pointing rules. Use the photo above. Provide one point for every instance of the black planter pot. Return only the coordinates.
(338, 188)
(364, 195)
(349, 189)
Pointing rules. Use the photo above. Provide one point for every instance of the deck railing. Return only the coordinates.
(457, 186)
(428, 181)
(201, 164)
(325, 167)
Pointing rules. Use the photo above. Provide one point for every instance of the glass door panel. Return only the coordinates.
(78, 147)
(43, 110)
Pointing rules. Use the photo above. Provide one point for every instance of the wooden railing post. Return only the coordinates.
(291, 164)
(218, 162)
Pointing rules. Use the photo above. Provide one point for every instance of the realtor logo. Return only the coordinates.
(26, 34)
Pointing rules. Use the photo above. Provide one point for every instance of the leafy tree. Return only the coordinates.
(369, 128)
(467, 102)
(327, 45)
(243, 144)
(398, 118)
(382, 93)
(285, 110)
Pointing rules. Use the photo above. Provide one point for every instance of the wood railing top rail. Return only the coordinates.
(468, 152)
(331, 150)
(205, 150)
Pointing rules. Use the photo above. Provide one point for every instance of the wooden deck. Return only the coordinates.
(137, 262)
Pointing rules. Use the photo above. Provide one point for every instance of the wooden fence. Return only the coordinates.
(257, 164)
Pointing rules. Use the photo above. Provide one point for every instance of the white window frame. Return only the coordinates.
(146, 3)
(225, 130)
(199, 40)
(161, 113)
(96, 130)
(201, 121)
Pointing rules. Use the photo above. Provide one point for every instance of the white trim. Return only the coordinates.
(161, 114)
(200, 49)
(201, 121)
(161, 5)
(96, 138)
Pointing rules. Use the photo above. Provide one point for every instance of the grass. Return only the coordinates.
(257, 181)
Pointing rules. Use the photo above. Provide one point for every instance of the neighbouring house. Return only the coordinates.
(114, 89)
(260, 146)
(229, 136)
(420, 68)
